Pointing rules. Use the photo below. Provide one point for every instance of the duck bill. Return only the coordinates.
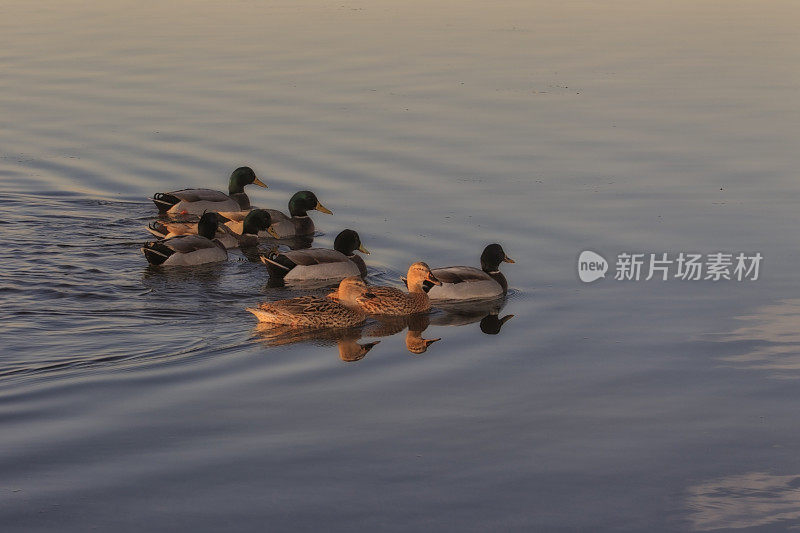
(260, 183)
(433, 279)
(320, 207)
(362, 249)
(507, 259)
(272, 232)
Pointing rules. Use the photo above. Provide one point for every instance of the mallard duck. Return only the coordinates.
(197, 201)
(391, 301)
(231, 234)
(318, 312)
(319, 263)
(185, 250)
(298, 223)
(466, 283)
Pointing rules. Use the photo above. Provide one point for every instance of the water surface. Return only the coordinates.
(131, 395)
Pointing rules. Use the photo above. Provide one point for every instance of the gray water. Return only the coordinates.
(134, 398)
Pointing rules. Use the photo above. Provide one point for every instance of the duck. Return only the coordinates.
(187, 250)
(468, 283)
(231, 234)
(318, 312)
(197, 201)
(298, 222)
(319, 263)
(392, 301)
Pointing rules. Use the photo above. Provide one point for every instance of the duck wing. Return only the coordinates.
(309, 311)
(460, 274)
(184, 244)
(315, 256)
(301, 305)
(235, 216)
(200, 195)
(171, 229)
(276, 215)
(389, 301)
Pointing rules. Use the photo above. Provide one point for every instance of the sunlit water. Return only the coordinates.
(139, 399)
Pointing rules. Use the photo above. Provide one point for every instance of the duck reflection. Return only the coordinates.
(386, 326)
(205, 275)
(487, 313)
(345, 339)
(491, 324)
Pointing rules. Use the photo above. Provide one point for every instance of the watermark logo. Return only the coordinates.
(591, 266)
(717, 266)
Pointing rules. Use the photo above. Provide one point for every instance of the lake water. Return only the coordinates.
(135, 399)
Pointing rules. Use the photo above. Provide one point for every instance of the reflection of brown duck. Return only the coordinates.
(344, 338)
(392, 301)
(414, 341)
(351, 351)
(391, 325)
(317, 312)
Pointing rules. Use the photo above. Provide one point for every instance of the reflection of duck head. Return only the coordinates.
(416, 344)
(462, 313)
(491, 324)
(351, 351)
(386, 326)
(414, 341)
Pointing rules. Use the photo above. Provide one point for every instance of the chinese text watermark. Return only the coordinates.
(663, 266)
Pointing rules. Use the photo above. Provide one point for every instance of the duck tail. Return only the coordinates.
(164, 201)
(158, 229)
(278, 265)
(156, 253)
(262, 316)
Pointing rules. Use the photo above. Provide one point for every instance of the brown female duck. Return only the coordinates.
(392, 301)
(317, 312)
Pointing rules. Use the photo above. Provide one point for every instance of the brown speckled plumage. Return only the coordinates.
(308, 311)
(392, 301)
(340, 311)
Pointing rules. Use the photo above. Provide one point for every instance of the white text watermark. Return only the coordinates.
(664, 266)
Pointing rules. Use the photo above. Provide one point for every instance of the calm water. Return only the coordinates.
(135, 398)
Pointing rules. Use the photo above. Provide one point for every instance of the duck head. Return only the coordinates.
(492, 256)
(352, 292)
(255, 221)
(348, 242)
(418, 274)
(243, 176)
(305, 201)
(207, 227)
